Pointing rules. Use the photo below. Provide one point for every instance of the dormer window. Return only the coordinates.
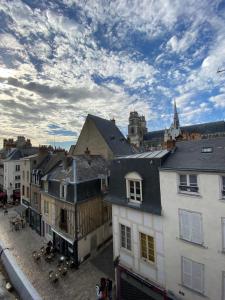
(134, 187)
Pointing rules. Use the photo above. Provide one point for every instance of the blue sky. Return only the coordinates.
(63, 59)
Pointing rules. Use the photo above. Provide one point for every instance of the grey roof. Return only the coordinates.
(50, 161)
(149, 154)
(87, 168)
(112, 135)
(204, 128)
(188, 156)
(21, 153)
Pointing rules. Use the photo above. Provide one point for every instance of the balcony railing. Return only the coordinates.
(186, 188)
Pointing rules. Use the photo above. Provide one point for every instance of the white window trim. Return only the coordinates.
(125, 248)
(180, 232)
(203, 276)
(46, 204)
(188, 183)
(135, 177)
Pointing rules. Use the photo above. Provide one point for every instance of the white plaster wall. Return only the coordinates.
(102, 233)
(145, 223)
(212, 209)
(9, 175)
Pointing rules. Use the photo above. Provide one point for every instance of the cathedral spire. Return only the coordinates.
(176, 122)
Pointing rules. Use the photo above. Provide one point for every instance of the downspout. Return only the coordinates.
(75, 244)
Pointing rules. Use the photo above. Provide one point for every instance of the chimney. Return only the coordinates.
(170, 145)
(113, 121)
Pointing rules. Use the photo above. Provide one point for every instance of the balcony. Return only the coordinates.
(189, 189)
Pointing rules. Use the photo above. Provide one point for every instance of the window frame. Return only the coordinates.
(63, 190)
(46, 207)
(126, 238)
(202, 279)
(135, 178)
(181, 235)
(146, 259)
(222, 187)
(188, 185)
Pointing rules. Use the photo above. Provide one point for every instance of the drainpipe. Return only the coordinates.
(75, 244)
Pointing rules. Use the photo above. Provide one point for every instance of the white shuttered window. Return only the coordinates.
(191, 226)
(193, 275)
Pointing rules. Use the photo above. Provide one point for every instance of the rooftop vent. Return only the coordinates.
(207, 149)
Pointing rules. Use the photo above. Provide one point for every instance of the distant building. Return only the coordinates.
(142, 139)
(139, 255)
(136, 129)
(192, 182)
(21, 142)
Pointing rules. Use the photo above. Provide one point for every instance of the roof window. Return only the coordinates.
(207, 149)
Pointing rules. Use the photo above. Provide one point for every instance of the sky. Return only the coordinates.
(63, 59)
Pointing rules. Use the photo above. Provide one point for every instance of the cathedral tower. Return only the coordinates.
(136, 129)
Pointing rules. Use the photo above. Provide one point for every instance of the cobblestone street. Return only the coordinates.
(77, 284)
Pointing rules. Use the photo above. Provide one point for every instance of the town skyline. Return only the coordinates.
(61, 60)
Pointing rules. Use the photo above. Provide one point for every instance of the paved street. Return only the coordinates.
(79, 285)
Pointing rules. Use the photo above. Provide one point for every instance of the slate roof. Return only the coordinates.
(87, 168)
(20, 153)
(50, 161)
(148, 154)
(205, 128)
(188, 156)
(112, 135)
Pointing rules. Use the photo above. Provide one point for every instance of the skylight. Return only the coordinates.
(207, 149)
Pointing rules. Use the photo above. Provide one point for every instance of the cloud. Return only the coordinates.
(218, 101)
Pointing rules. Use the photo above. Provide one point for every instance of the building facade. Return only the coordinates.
(136, 129)
(192, 182)
(138, 226)
(74, 215)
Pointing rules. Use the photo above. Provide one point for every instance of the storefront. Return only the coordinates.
(133, 287)
(35, 220)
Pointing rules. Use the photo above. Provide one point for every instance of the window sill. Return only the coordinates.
(127, 251)
(192, 243)
(193, 291)
(189, 194)
(133, 203)
(148, 262)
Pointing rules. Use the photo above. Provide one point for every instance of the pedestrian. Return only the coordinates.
(109, 288)
(99, 292)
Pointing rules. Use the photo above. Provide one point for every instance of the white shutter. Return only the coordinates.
(186, 272)
(223, 283)
(196, 228)
(197, 276)
(223, 233)
(185, 225)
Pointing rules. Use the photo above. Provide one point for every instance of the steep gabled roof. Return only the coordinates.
(20, 153)
(198, 155)
(112, 136)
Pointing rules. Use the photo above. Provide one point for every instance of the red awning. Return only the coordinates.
(2, 195)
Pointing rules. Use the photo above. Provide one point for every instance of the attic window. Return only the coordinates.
(112, 137)
(207, 149)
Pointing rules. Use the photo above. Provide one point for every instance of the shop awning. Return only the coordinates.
(63, 236)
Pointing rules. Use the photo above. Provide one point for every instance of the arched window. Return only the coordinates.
(134, 187)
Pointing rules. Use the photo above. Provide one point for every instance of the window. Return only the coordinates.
(46, 186)
(46, 207)
(35, 199)
(23, 175)
(17, 167)
(125, 237)
(188, 183)
(147, 247)
(17, 177)
(223, 186)
(63, 191)
(17, 185)
(48, 229)
(28, 175)
(191, 226)
(63, 220)
(28, 192)
(134, 187)
(23, 190)
(223, 234)
(193, 275)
